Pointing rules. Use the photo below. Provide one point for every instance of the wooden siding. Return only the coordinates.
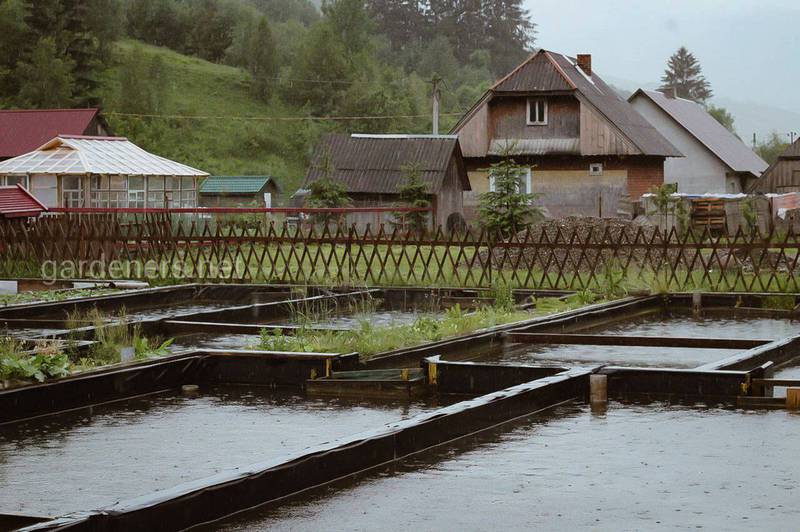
(509, 118)
(599, 137)
(474, 134)
(783, 176)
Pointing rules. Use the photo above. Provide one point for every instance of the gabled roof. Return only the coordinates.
(24, 130)
(374, 163)
(547, 71)
(78, 155)
(17, 202)
(248, 184)
(693, 118)
(792, 152)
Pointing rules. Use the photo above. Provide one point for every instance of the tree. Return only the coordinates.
(83, 48)
(325, 193)
(350, 24)
(214, 35)
(261, 62)
(722, 116)
(413, 193)
(46, 77)
(770, 149)
(506, 210)
(12, 46)
(683, 76)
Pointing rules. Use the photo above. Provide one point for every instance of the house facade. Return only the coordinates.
(783, 175)
(583, 146)
(715, 160)
(104, 172)
(372, 167)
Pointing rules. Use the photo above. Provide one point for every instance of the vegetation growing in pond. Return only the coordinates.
(369, 340)
(19, 363)
(112, 335)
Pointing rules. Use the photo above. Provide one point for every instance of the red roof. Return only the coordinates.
(22, 131)
(16, 202)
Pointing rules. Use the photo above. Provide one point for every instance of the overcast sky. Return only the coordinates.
(749, 50)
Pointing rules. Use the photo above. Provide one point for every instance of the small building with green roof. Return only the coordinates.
(239, 191)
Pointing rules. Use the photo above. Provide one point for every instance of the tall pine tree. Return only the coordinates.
(684, 78)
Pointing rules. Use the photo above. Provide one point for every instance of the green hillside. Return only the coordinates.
(215, 141)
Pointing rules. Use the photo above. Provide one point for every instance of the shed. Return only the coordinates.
(783, 175)
(17, 202)
(715, 160)
(108, 172)
(238, 191)
(372, 167)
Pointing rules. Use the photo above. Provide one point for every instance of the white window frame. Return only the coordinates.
(528, 177)
(540, 121)
(25, 182)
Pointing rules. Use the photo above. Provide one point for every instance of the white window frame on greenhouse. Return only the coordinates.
(11, 180)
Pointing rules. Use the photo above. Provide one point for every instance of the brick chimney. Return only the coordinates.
(585, 63)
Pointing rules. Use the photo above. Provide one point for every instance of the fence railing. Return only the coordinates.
(613, 258)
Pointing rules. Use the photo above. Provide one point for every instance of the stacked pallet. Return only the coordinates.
(708, 213)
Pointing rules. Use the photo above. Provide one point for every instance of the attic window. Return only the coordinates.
(596, 169)
(537, 112)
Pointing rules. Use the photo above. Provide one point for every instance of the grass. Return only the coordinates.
(112, 335)
(218, 145)
(368, 340)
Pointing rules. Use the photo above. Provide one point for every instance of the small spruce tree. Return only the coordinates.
(507, 210)
(325, 193)
(413, 193)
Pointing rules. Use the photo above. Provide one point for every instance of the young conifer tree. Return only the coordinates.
(413, 193)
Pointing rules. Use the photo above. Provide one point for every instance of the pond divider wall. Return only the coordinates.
(473, 378)
(221, 495)
(207, 367)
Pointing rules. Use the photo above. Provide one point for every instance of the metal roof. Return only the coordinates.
(536, 146)
(246, 184)
(17, 202)
(374, 163)
(702, 126)
(23, 130)
(78, 155)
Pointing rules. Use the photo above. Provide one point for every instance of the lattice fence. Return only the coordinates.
(616, 258)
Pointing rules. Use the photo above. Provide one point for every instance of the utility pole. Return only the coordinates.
(792, 135)
(436, 81)
(754, 140)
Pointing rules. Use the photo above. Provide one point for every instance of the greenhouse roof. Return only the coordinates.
(68, 154)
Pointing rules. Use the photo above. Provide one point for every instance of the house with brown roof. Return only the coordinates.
(584, 147)
(783, 175)
(371, 167)
(24, 130)
(715, 160)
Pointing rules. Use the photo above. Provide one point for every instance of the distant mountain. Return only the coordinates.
(749, 117)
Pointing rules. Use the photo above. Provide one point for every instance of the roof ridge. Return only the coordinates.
(59, 110)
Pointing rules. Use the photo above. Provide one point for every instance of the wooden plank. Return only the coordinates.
(634, 341)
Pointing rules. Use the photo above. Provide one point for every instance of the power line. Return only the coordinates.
(272, 118)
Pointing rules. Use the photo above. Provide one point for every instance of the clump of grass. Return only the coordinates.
(368, 340)
(112, 334)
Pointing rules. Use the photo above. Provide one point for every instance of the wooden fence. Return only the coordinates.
(612, 259)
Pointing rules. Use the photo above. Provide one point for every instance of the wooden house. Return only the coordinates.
(239, 191)
(715, 160)
(584, 147)
(371, 167)
(106, 172)
(783, 175)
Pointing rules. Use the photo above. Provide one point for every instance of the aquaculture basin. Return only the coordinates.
(668, 325)
(632, 467)
(94, 457)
